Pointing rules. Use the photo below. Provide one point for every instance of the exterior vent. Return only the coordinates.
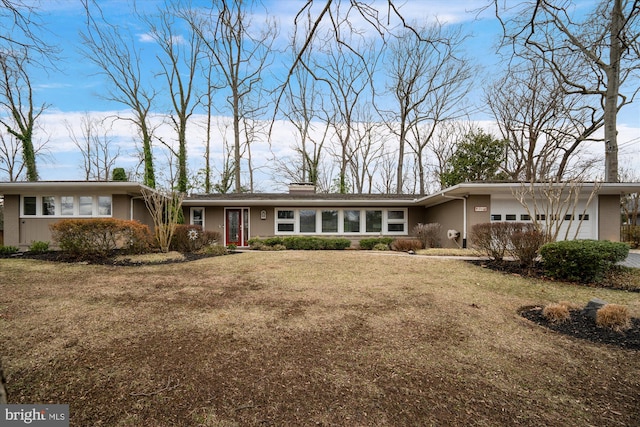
(302, 188)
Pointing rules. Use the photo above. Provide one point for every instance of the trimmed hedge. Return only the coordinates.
(301, 243)
(370, 243)
(99, 236)
(583, 261)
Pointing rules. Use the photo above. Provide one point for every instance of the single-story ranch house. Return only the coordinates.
(29, 208)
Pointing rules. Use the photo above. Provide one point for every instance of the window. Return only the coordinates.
(66, 206)
(541, 217)
(329, 221)
(341, 221)
(351, 221)
(496, 217)
(285, 215)
(510, 217)
(285, 221)
(584, 217)
(197, 217)
(395, 221)
(525, 217)
(307, 221)
(373, 222)
(85, 205)
(48, 205)
(568, 217)
(29, 205)
(104, 205)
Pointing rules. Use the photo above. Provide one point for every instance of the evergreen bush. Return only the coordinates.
(583, 261)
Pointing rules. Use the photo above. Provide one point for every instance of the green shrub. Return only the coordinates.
(581, 260)
(308, 243)
(191, 238)
(406, 245)
(39, 247)
(100, 236)
(380, 247)
(215, 250)
(8, 250)
(369, 243)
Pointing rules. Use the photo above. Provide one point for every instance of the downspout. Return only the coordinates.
(464, 216)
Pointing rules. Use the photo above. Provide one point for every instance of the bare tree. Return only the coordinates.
(429, 79)
(17, 101)
(180, 63)
(545, 127)
(555, 205)
(241, 55)
(592, 56)
(348, 81)
(99, 154)
(305, 110)
(119, 61)
(165, 208)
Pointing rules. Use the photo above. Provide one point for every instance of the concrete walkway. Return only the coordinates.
(633, 260)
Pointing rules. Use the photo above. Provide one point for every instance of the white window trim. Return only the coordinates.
(385, 222)
(58, 206)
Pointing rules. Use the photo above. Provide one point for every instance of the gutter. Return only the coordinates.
(464, 216)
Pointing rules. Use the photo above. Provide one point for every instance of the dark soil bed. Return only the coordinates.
(112, 259)
(582, 326)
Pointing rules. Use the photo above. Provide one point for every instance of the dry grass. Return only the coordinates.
(556, 313)
(305, 338)
(613, 316)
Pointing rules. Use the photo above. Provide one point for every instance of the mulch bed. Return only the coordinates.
(59, 256)
(582, 326)
(579, 325)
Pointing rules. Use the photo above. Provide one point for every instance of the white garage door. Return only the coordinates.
(508, 209)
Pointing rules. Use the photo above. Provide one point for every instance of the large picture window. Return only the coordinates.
(341, 221)
(374, 221)
(307, 221)
(67, 206)
(351, 221)
(330, 221)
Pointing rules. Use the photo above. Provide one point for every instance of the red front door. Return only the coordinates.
(233, 227)
(236, 226)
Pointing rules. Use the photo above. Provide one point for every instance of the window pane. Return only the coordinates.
(104, 205)
(329, 221)
(66, 205)
(496, 217)
(285, 227)
(197, 216)
(373, 221)
(351, 221)
(307, 221)
(29, 207)
(395, 215)
(510, 217)
(285, 214)
(85, 205)
(395, 227)
(48, 205)
(525, 217)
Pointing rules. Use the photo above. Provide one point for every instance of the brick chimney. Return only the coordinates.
(302, 188)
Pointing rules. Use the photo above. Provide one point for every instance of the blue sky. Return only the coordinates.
(75, 88)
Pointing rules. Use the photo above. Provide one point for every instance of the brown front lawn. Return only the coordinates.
(305, 338)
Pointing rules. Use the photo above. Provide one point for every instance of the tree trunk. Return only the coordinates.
(611, 97)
